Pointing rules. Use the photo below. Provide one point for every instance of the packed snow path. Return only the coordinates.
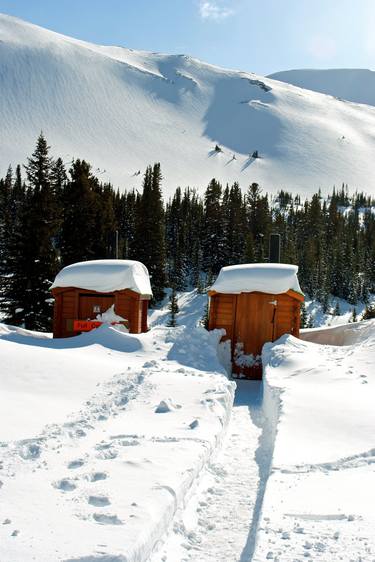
(220, 521)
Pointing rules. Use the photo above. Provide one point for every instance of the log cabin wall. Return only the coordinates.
(72, 303)
(222, 313)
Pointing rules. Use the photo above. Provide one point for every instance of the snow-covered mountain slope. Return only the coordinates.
(351, 84)
(123, 109)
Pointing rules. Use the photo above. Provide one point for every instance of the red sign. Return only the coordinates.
(85, 325)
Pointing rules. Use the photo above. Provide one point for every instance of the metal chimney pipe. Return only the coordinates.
(275, 248)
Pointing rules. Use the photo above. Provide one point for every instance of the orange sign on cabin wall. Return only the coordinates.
(85, 325)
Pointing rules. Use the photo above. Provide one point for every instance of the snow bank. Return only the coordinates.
(344, 334)
(320, 493)
(266, 278)
(105, 276)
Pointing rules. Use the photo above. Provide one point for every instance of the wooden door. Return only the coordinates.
(90, 305)
(255, 321)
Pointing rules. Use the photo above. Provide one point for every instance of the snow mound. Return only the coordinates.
(110, 316)
(320, 491)
(262, 277)
(165, 406)
(105, 276)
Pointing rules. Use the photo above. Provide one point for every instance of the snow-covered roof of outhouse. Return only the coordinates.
(273, 278)
(105, 276)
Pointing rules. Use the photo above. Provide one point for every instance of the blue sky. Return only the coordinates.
(260, 36)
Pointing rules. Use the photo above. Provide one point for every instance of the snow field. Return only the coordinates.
(101, 103)
(104, 482)
(135, 469)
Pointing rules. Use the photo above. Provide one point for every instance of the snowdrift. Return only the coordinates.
(344, 334)
(122, 109)
(320, 493)
(103, 437)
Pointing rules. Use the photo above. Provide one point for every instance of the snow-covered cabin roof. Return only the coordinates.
(273, 278)
(105, 276)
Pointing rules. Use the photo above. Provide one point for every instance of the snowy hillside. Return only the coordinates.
(351, 84)
(122, 109)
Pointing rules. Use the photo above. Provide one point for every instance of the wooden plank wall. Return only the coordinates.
(128, 304)
(249, 316)
(222, 313)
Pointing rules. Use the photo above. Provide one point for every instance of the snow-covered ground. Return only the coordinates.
(102, 436)
(116, 447)
(319, 500)
(122, 109)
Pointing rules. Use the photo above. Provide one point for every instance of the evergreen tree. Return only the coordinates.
(149, 246)
(337, 310)
(354, 315)
(213, 235)
(78, 236)
(234, 225)
(173, 308)
(33, 259)
(204, 320)
(259, 220)
(304, 316)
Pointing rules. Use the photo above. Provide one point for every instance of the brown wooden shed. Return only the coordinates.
(89, 293)
(255, 304)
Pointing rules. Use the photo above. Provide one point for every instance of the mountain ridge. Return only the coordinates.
(352, 84)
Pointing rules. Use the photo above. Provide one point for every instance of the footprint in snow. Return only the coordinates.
(150, 364)
(30, 451)
(77, 463)
(107, 454)
(65, 485)
(104, 519)
(96, 476)
(98, 501)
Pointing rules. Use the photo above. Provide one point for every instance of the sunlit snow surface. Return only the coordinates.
(122, 110)
(90, 465)
(319, 500)
(115, 445)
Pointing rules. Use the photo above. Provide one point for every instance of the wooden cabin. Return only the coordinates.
(89, 293)
(255, 304)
